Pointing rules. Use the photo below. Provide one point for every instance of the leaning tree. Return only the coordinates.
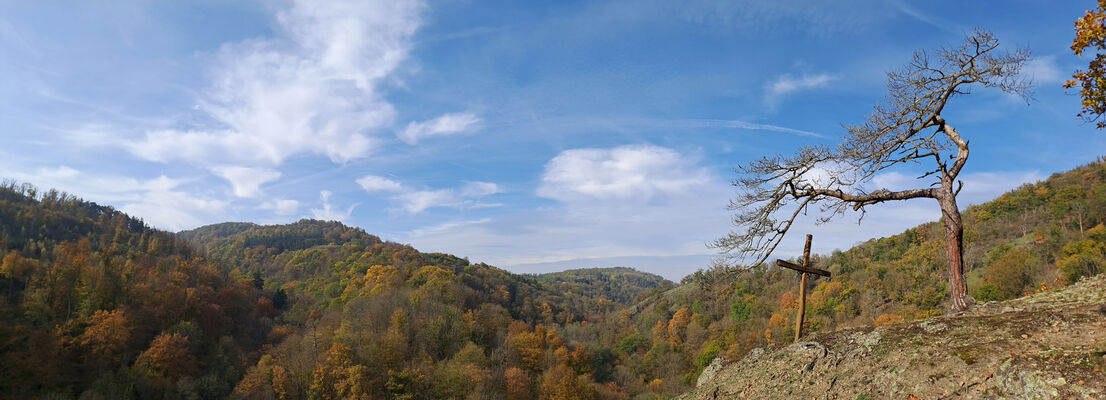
(906, 127)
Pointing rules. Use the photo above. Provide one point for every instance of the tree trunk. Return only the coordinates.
(954, 251)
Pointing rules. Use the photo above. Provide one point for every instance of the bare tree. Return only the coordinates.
(906, 127)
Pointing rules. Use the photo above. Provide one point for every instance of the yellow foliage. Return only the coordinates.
(432, 277)
(380, 277)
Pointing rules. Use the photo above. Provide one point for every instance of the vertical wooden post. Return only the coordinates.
(802, 290)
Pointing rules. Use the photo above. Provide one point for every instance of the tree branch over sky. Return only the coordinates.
(1090, 33)
(906, 127)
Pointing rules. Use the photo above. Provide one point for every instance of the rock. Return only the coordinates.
(991, 352)
(710, 371)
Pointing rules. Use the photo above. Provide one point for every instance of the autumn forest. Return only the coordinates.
(96, 304)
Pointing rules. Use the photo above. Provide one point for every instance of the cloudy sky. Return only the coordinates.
(533, 136)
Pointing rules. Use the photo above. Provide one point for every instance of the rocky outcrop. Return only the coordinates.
(1048, 345)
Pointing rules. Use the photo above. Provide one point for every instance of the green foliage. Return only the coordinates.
(708, 354)
(1008, 272)
(987, 292)
(740, 309)
(632, 343)
(1084, 257)
(616, 286)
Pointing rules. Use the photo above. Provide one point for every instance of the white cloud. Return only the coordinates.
(448, 124)
(418, 201)
(630, 201)
(676, 226)
(637, 172)
(328, 213)
(785, 85)
(479, 189)
(415, 201)
(1043, 70)
(373, 183)
(246, 181)
(979, 187)
(668, 236)
(313, 90)
(937, 22)
(281, 206)
(160, 201)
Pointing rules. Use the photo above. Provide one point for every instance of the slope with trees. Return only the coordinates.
(94, 303)
(1038, 237)
(365, 317)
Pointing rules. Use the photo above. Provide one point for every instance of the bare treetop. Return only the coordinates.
(905, 127)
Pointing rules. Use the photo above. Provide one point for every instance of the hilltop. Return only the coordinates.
(1048, 345)
(95, 303)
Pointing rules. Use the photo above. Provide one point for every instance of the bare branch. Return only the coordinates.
(904, 127)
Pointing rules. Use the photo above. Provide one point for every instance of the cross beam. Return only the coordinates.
(803, 270)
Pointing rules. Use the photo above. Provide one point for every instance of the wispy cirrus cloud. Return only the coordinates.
(414, 201)
(448, 124)
(786, 85)
(1043, 70)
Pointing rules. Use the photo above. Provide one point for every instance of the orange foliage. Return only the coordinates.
(560, 383)
(518, 384)
(107, 334)
(169, 355)
(788, 301)
(888, 319)
(779, 320)
(677, 326)
(264, 307)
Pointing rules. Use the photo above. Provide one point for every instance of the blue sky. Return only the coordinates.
(534, 136)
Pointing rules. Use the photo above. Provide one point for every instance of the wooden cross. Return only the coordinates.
(803, 270)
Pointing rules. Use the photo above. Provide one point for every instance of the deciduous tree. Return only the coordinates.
(908, 126)
(1090, 36)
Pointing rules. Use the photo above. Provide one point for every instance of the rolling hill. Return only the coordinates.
(95, 304)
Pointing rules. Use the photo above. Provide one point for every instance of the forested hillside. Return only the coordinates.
(364, 317)
(1037, 237)
(95, 304)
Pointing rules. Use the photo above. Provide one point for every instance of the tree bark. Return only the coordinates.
(954, 250)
